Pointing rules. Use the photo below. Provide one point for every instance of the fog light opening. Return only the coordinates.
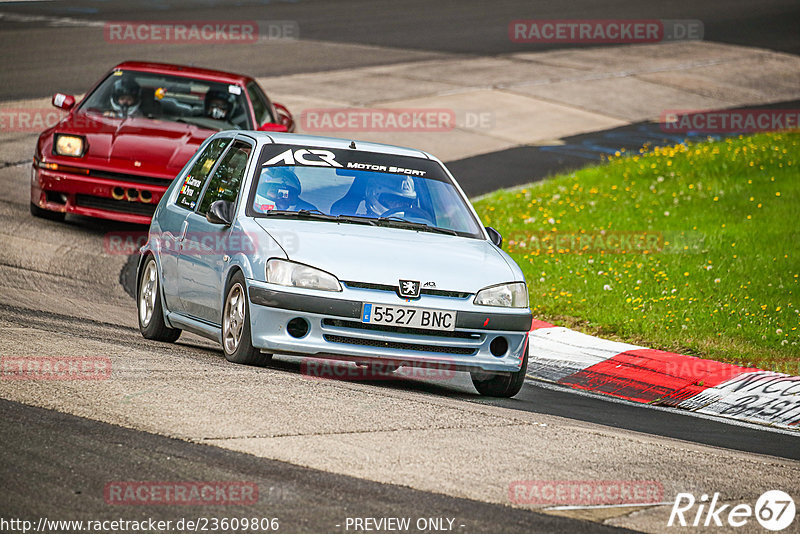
(297, 327)
(55, 198)
(146, 196)
(131, 194)
(117, 193)
(499, 346)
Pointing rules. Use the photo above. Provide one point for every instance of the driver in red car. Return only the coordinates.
(125, 98)
(217, 105)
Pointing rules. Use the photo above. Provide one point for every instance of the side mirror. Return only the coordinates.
(272, 127)
(62, 101)
(284, 116)
(494, 236)
(220, 212)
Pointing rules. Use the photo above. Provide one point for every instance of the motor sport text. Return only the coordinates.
(325, 158)
(384, 168)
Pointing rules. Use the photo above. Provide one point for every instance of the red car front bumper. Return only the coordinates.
(129, 199)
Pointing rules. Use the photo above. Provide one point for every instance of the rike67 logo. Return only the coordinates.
(774, 510)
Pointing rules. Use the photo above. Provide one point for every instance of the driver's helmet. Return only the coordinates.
(384, 194)
(281, 187)
(125, 96)
(218, 104)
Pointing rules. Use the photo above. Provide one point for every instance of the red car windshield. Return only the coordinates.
(203, 103)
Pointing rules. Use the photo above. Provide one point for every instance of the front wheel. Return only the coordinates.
(500, 385)
(151, 313)
(236, 340)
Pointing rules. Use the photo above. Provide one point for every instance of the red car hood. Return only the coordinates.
(137, 145)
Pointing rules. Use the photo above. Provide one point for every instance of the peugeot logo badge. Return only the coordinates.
(408, 289)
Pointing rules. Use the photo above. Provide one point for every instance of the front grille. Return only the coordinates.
(145, 180)
(398, 345)
(394, 289)
(339, 323)
(121, 206)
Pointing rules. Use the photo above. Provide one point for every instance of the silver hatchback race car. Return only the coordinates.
(336, 249)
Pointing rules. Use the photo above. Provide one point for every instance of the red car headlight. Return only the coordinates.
(69, 145)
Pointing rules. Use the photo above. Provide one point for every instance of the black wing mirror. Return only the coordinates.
(494, 236)
(220, 212)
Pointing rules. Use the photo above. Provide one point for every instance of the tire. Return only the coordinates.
(237, 343)
(500, 385)
(148, 306)
(42, 213)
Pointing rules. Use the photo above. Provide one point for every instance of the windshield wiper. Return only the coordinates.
(355, 219)
(317, 214)
(306, 214)
(405, 223)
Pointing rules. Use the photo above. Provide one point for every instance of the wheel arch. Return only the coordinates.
(142, 260)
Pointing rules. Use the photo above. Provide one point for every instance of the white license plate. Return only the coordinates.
(425, 318)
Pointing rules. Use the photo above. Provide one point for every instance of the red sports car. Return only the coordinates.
(116, 152)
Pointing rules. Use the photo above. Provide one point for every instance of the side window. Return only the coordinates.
(228, 178)
(193, 184)
(260, 106)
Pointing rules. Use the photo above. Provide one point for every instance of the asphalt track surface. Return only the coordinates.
(59, 464)
(66, 480)
(46, 52)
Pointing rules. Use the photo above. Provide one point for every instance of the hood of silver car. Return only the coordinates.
(381, 255)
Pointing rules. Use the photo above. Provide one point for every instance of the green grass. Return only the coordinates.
(721, 282)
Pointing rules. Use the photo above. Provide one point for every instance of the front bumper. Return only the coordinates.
(94, 196)
(335, 330)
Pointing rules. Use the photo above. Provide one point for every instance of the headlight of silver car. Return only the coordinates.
(514, 295)
(287, 273)
(69, 145)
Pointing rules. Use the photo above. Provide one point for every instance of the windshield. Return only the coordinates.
(359, 187)
(211, 105)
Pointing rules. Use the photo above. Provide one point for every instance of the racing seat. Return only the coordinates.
(349, 203)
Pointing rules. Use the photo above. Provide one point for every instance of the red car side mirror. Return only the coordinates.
(62, 101)
(272, 127)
